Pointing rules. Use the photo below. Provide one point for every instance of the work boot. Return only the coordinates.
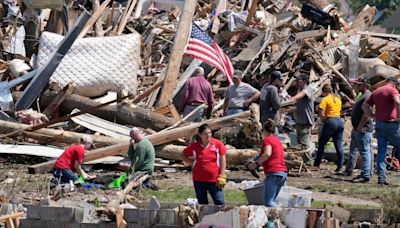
(339, 171)
(385, 182)
(361, 180)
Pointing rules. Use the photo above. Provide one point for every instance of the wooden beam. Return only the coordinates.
(60, 97)
(92, 20)
(252, 11)
(177, 52)
(147, 92)
(124, 20)
(157, 139)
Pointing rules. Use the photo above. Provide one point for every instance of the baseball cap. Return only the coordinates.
(360, 80)
(87, 139)
(303, 77)
(237, 74)
(276, 75)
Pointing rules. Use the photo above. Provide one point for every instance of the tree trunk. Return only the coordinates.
(121, 114)
(233, 156)
(58, 135)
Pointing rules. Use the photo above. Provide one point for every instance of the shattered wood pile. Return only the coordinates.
(122, 65)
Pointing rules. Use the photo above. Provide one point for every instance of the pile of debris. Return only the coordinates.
(124, 64)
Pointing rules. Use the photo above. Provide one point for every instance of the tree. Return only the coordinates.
(388, 6)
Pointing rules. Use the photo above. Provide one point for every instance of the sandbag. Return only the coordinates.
(94, 65)
(43, 4)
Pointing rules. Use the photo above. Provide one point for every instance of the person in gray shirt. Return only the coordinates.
(239, 95)
(269, 98)
(304, 113)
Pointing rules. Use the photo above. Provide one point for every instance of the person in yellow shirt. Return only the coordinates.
(333, 127)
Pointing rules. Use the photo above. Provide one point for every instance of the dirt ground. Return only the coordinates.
(19, 186)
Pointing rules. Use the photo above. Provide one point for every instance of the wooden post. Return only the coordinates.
(177, 52)
(252, 11)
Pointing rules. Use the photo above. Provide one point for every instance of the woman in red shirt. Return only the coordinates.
(273, 161)
(208, 160)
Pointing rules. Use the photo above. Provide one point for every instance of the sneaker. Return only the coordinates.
(383, 182)
(361, 180)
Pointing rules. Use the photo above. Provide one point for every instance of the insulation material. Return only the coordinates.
(94, 65)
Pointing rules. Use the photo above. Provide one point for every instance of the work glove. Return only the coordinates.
(221, 181)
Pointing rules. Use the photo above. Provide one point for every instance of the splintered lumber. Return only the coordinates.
(60, 97)
(92, 20)
(156, 138)
(178, 47)
(138, 116)
(58, 135)
(233, 156)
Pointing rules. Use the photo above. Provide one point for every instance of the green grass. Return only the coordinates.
(179, 194)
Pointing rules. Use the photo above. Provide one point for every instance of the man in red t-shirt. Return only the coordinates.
(71, 160)
(387, 103)
(208, 159)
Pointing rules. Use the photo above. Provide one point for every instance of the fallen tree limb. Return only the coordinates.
(121, 114)
(233, 156)
(57, 135)
(156, 138)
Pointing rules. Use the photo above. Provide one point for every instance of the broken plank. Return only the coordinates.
(92, 20)
(56, 102)
(124, 20)
(157, 139)
(177, 52)
(105, 127)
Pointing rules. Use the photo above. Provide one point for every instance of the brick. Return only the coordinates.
(33, 211)
(61, 214)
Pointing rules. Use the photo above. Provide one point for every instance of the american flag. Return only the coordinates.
(201, 46)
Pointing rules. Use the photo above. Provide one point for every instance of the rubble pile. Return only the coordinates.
(101, 67)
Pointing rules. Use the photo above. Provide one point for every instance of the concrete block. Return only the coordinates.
(133, 225)
(61, 214)
(293, 217)
(365, 215)
(208, 210)
(28, 223)
(33, 211)
(147, 217)
(98, 225)
(79, 214)
(167, 217)
(131, 215)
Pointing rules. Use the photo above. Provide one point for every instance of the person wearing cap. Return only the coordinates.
(387, 128)
(70, 162)
(239, 95)
(141, 152)
(269, 98)
(329, 113)
(197, 91)
(362, 130)
(304, 113)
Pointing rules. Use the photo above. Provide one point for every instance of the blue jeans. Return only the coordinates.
(65, 174)
(272, 187)
(363, 141)
(351, 162)
(202, 188)
(231, 111)
(197, 117)
(333, 128)
(386, 132)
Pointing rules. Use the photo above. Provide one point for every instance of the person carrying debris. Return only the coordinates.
(141, 152)
(333, 127)
(273, 161)
(208, 160)
(197, 91)
(363, 129)
(71, 160)
(239, 95)
(304, 113)
(269, 98)
(387, 128)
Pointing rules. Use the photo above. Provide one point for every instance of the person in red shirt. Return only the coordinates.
(71, 160)
(386, 100)
(207, 156)
(273, 161)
